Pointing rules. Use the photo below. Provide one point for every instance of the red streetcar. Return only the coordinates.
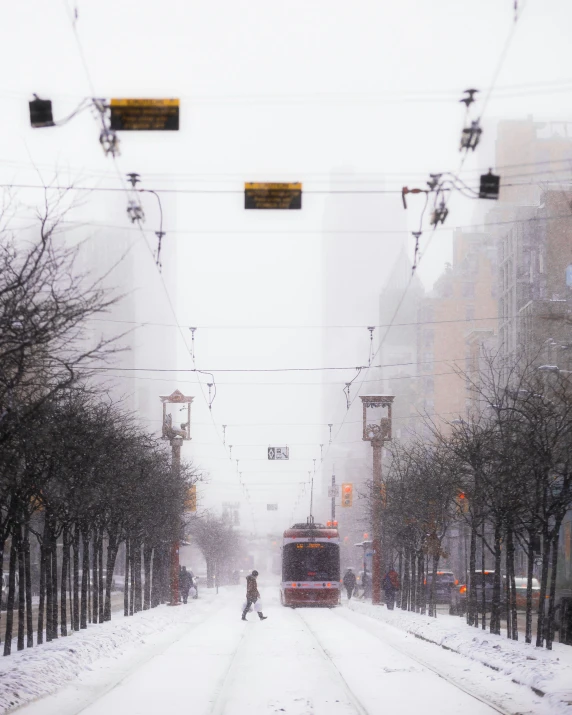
(311, 565)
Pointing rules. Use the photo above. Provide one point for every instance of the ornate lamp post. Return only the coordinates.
(176, 438)
(376, 429)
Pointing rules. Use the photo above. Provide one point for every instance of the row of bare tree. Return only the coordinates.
(504, 474)
(80, 480)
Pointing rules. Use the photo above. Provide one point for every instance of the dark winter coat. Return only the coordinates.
(185, 580)
(350, 579)
(391, 581)
(251, 588)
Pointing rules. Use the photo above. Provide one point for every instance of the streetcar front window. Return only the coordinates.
(311, 562)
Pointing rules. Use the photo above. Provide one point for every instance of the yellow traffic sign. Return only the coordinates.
(144, 114)
(272, 195)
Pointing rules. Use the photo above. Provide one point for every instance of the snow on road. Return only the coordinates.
(298, 662)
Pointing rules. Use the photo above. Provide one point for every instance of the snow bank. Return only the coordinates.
(30, 674)
(547, 673)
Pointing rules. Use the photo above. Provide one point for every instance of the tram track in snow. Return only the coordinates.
(420, 661)
(226, 681)
(353, 698)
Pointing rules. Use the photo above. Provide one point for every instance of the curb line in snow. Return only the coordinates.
(547, 673)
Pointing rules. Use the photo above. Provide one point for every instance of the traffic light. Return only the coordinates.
(191, 500)
(347, 494)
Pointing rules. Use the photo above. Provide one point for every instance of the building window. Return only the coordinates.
(470, 312)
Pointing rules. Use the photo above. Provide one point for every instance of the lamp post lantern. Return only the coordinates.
(176, 438)
(377, 430)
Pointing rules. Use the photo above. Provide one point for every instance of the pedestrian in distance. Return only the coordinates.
(252, 597)
(391, 585)
(185, 583)
(349, 581)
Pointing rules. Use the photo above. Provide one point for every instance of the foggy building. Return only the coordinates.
(463, 300)
(399, 327)
(535, 284)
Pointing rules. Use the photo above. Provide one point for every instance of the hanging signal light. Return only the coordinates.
(489, 186)
(347, 494)
(471, 136)
(41, 113)
(439, 214)
(135, 211)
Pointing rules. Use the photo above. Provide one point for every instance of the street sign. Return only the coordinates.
(272, 196)
(333, 492)
(272, 507)
(144, 114)
(278, 453)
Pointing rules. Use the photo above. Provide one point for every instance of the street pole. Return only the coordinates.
(176, 444)
(376, 565)
(333, 497)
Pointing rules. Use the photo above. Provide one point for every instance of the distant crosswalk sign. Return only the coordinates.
(278, 453)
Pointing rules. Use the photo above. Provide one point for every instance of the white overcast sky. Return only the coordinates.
(296, 90)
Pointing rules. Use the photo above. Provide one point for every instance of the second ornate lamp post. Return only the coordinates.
(376, 429)
(176, 438)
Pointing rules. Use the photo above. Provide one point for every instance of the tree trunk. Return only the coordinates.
(94, 578)
(552, 599)
(11, 596)
(64, 579)
(147, 556)
(28, 570)
(420, 579)
(138, 594)
(495, 606)
(42, 604)
(75, 542)
(529, 575)
(512, 615)
(84, 576)
(471, 597)
(112, 547)
(49, 581)
(483, 580)
(405, 588)
(100, 574)
(55, 587)
(132, 550)
(21, 589)
(432, 595)
(413, 590)
(126, 582)
(543, 588)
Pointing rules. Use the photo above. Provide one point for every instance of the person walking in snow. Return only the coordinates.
(391, 585)
(185, 583)
(349, 581)
(252, 596)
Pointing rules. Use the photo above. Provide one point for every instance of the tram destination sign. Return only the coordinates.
(278, 453)
(144, 114)
(272, 196)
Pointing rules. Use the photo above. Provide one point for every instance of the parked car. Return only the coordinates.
(458, 602)
(520, 587)
(445, 581)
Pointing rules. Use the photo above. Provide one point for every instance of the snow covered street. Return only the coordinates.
(339, 661)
